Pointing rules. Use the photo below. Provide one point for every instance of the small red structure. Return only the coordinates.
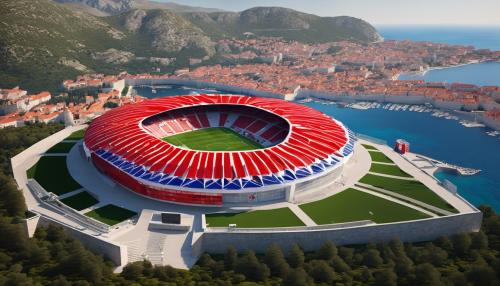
(402, 146)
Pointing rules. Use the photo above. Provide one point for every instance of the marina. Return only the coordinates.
(449, 115)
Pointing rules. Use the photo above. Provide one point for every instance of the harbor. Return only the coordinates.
(468, 120)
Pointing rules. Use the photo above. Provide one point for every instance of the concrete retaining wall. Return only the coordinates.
(411, 231)
(30, 225)
(114, 252)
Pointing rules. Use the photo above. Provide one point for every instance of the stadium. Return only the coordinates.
(218, 150)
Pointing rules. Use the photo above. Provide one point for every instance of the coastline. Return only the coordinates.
(314, 94)
(429, 69)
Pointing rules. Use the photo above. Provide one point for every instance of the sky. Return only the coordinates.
(379, 12)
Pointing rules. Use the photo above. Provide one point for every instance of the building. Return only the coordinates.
(402, 146)
(302, 149)
(12, 94)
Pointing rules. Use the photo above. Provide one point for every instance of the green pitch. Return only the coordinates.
(213, 139)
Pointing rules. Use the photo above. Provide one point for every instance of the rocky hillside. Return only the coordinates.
(114, 7)
(287, 23)
(43, 42)
(168, 32)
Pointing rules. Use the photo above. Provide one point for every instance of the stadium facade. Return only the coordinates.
(301, 149)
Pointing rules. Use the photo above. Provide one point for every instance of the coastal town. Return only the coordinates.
(293, 70)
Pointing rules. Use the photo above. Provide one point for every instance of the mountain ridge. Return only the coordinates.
(43, 42)
(114, 7)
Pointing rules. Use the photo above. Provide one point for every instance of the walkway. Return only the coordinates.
(393, 199)
(405, 198)
(392, 176)
(301, 215)
(420, 175)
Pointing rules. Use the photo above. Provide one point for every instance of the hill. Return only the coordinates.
(286, 23)
(43, 42)
(114, 7)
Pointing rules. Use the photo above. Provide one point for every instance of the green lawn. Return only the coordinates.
(411, 189)
(379, 157)
(213, 139)
(111, 214)
(369, 147)
(53, 175)
(263, 218)
(77, 135)
(80, 201)
(353, 205)
(388, 170)
(63, 147)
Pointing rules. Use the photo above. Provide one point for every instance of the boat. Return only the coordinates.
(493, 133)
(471, 124)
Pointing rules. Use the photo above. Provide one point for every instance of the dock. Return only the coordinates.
(430, 165)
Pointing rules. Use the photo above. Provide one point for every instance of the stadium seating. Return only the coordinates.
(255, 124)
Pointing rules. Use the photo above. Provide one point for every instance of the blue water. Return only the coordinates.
(170, 91)
(480, 74)
(435, 137)
(479, 37)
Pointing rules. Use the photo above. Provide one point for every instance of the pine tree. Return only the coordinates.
(296, 257)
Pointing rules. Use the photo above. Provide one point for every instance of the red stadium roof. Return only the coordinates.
(310, 143)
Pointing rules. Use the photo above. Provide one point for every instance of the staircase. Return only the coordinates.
(155, 248)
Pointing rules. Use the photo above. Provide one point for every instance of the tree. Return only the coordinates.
(347, 255)
(457, 278)
(276, 262)
(327, 251)
(230, 258)
(250, 266)
(60, 281)
(206, 260)
(403, 266)
(479, 240)
(165, 273)
(445, 243)
(426, 274)
(296, 257)
(297, 277)
(110, 104)
(386, 277)
(12, 238)
(481, 275)
(371, 258)
(366, 275)
(461, 244)
(133, 271)
(321, 272)
(339, 265)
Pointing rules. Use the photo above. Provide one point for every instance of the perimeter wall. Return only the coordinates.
(412, 231)
(114, 252)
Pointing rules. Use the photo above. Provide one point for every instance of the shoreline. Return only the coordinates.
(429, 69)
(462, 115)
(302, 94)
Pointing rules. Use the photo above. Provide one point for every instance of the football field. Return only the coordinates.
(213, 139)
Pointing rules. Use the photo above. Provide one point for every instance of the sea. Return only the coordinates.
(435, 137)
(480, 37)
(487, 73)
